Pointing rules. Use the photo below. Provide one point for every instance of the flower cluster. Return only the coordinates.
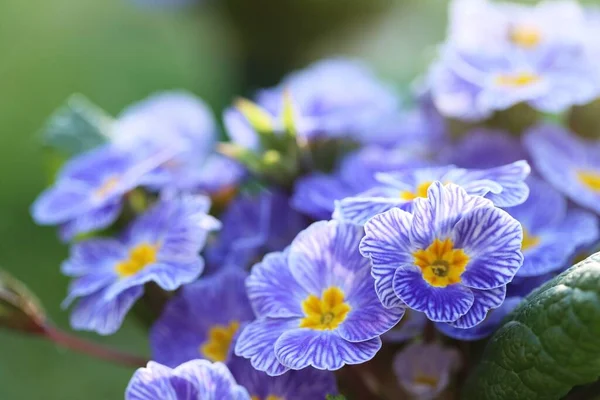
(332, 220)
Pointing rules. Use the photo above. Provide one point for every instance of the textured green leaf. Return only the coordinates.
(549, 344)
(75, 127)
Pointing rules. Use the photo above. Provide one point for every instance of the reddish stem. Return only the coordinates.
(92, 349)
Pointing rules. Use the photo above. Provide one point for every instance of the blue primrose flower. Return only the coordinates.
(309, 383)
(315, 304)
(450, 259)
(552, 234)
(197, 379)
(202, 320)
(316, 193)
(161, 246)
(503, 185)
(425, 370)
(89, 190)
(254, 225)
(569, 163)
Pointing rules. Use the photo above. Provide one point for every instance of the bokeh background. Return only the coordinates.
(117, 52)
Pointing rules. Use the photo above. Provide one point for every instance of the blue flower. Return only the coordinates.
(483, 148)
(328, 107)
(254, 225)
(569, 163)
(551, 233)
(307, 384)
(202, 320)
(452, 248)
(88, 192)
(410, 326)
(198, 379)
(506, 57)
(315, 304)
(486, 327)
(161, 246)
(316, 193)
(503, 185)
(426, 370)
(184, 123)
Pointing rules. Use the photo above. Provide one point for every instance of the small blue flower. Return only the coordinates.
(486, 327)
(161, 246)
(184, 123)
(316, 193)
(88, 192)
(503, 185)
(328, 107)
(202, 320)
(410, 326)
(426, 370)
(310, 383)
(197, 379)
(570, 164)
(254, 225)
(437, 260)
(482, 149)
(315, 304)
(551, 233)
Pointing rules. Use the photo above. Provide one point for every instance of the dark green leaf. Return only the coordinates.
(549, 344)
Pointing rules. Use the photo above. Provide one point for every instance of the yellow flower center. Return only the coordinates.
(529, 241)
(525, 36)
(424, 379)
(441, 264)
(420, 192)
(590, 179)
(139, 258)
(269, 397)
(216, 348)
(325, 313)
(107, 187)
(518, 79)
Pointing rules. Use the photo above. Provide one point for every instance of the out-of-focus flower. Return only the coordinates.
(551, 234)
(202, 320)
(410, 326)
(310, 383)
(570, 164)
(315, 194)
(483, 148)
(197, 379)
(88, 192)
(315, 304)
(508, 56)
(486, 327)
(161, 246)
(254, 225)
(334, 98)
(504, 185)
(450, 259)
(180, 121)
(425, 370)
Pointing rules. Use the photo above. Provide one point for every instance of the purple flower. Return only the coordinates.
(254, 225)
(307, 384)
(198, 379)
(88, 192)
(161, 246)
(202, 320)
(425, 370)
(551, 233)
(315, 304)
(450, 259)
(570, 164)
(503, 185)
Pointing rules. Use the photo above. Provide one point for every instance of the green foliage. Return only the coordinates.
(335, 397)
(548, 344)
(75, 127)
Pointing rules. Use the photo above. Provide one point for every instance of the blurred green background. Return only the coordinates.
(116, 53)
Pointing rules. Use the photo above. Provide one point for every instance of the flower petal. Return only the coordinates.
(358, 210)
(484, 300)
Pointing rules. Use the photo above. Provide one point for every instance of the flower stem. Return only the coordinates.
(75, 343)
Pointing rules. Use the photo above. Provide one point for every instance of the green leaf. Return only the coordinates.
(549, 344)
(76, 127)
(334, 397)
